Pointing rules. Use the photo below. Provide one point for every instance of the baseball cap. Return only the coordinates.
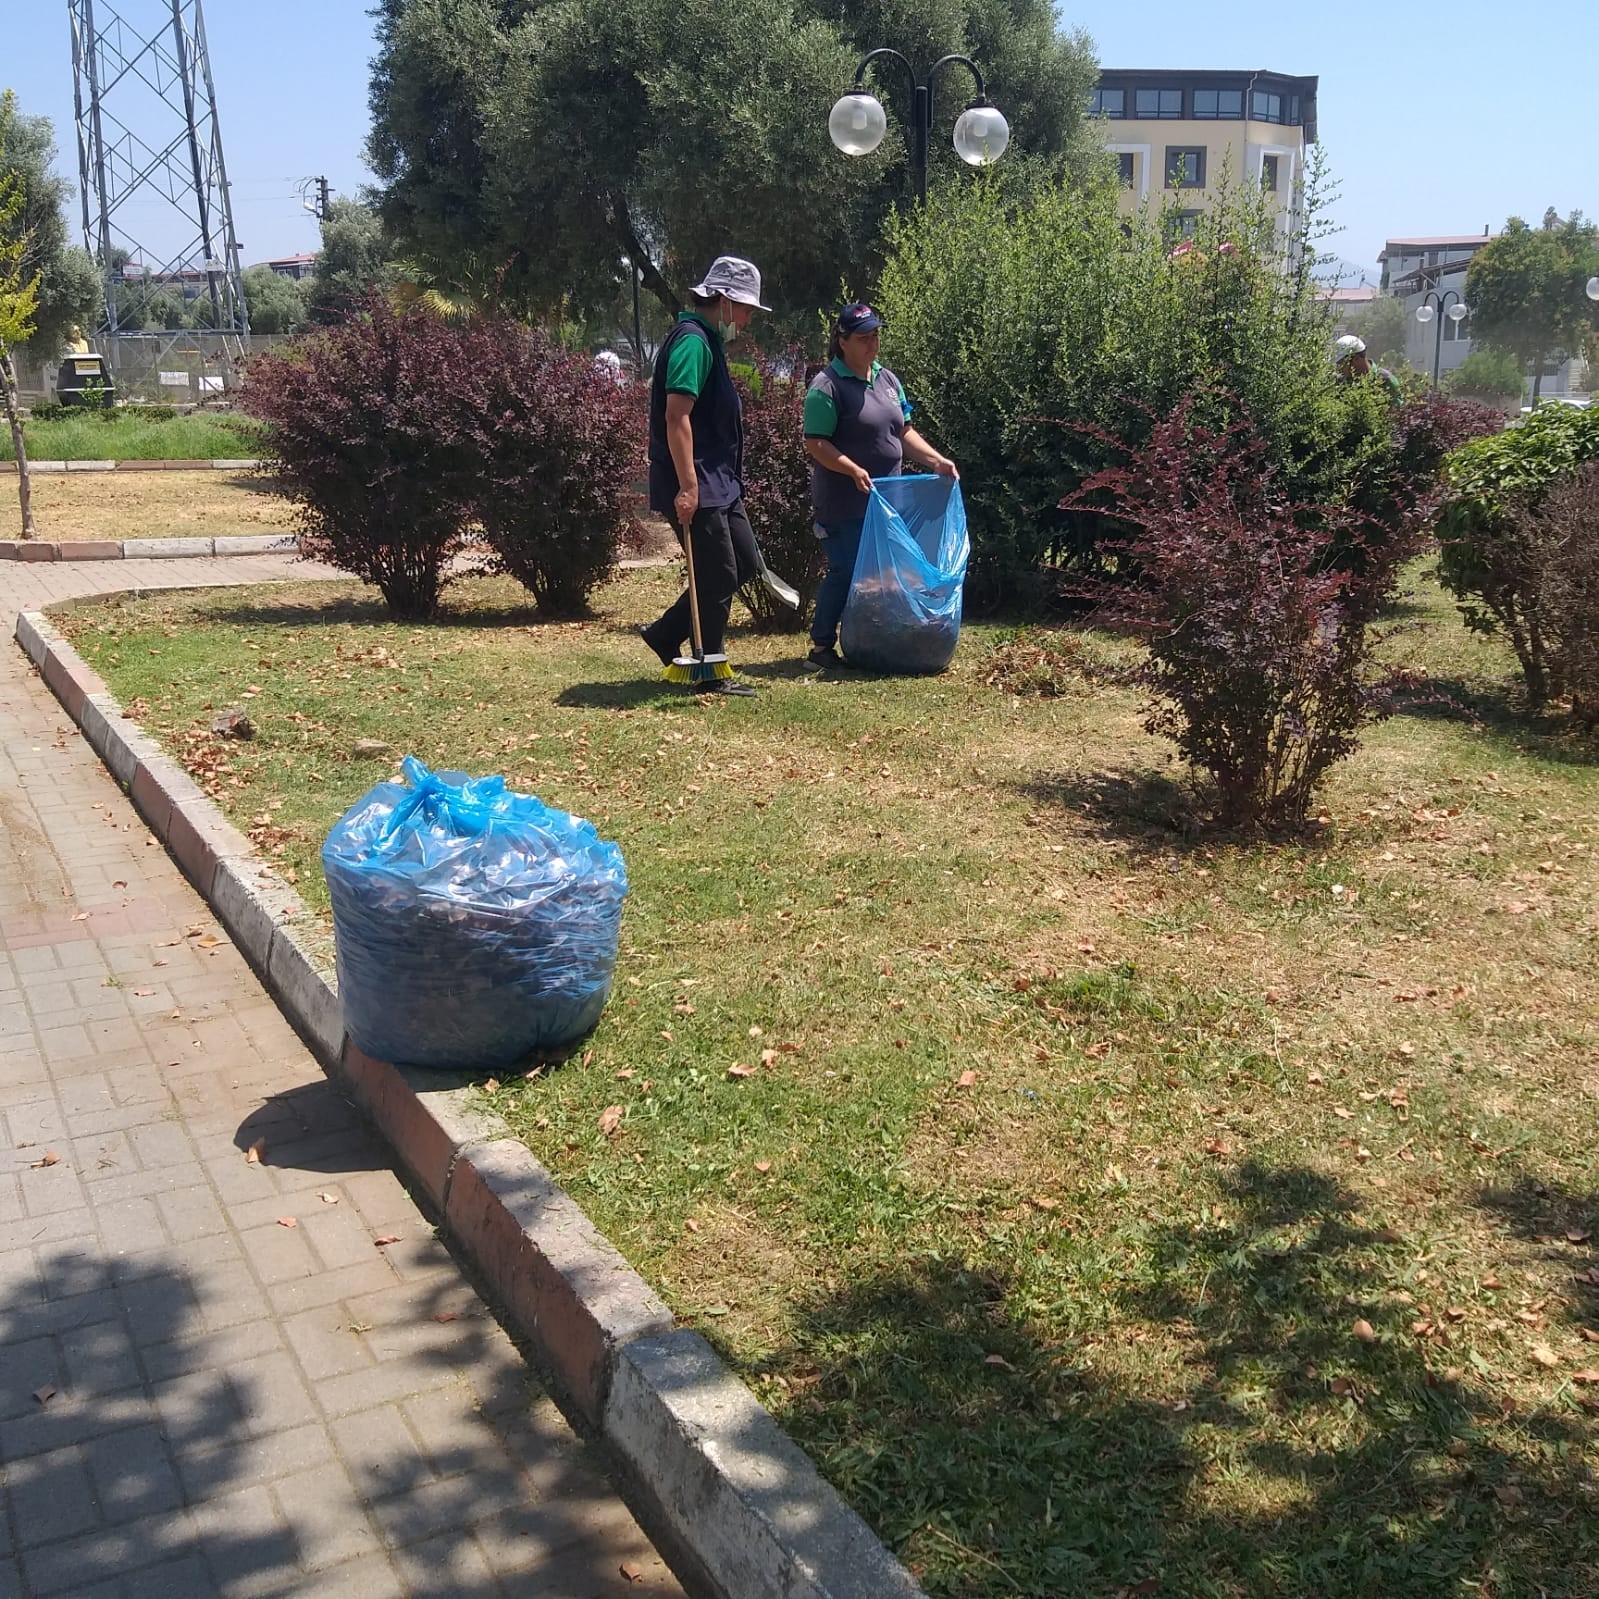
(735, 277)
(858, 317)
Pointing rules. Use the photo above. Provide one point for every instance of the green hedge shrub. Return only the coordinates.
(1488, 562)
(1006, 321)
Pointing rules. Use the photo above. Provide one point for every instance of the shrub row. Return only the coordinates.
(400, 436)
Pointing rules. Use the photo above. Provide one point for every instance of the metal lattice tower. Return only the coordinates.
(150, 161)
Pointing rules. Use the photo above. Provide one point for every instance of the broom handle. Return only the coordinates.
(693, 593)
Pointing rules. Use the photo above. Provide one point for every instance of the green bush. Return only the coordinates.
(1562, 534)
(1490, 374)
(1488, 562)
(47, 411)
(1006, 322)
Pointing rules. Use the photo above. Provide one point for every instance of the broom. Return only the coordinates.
(698, 667)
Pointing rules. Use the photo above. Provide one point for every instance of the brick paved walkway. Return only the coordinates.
(213, 1380)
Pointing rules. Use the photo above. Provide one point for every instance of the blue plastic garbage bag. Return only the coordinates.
(474, 927)
(904, 607)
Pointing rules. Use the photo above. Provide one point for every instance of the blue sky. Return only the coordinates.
(1436, 119)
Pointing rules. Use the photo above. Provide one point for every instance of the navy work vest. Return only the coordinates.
(718, 423)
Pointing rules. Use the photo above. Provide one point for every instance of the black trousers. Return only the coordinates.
(724, 561)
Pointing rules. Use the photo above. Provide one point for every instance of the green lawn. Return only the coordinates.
(129, 437)
(1111, 1208)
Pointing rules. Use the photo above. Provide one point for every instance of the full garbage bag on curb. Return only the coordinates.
(904, 607)
(473, 926)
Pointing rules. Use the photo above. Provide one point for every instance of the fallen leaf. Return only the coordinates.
(256, 1153)
(1342, 1114)
(447, 1315)
(1577, 1236)
(739, 1069)
(48, 1158)
(287, 1221)
(1585, 1375)
(1491, 1281)
(1217, 1147)
(328, 1199)
(755, 1032)
(384, 1240)
(966, 1079)
(44, 1395)
(143, 993)
(210, 941)
(1316, 1078)
(1508, 1494)
(1544, 1355)
(1364, 1331)
(491, 1085)
(998, 1360)
(632, 1570)
(768, 1058)
(611, 1119)
(1043, 1202)
(625, 1075)
(763, 1166)
(692, 1225)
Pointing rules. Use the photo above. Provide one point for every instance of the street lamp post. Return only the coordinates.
(1435, 305)
(858, 122)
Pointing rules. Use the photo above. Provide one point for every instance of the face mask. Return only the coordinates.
(728, 330)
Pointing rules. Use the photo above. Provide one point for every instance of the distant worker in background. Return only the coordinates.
(1354, 364)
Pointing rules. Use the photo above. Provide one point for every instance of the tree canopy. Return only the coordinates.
(68, 283)
(353, 261)
(550, 142)
(276, 304)
(1527, 290)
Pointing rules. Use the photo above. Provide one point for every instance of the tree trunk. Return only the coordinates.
(1537, 378)
(13, 408)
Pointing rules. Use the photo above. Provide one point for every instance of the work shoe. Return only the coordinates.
(824, 655)
(727, 685)
(665, 653)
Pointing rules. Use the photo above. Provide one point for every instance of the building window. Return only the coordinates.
(1268, 173)
(1166, 103)
(1124, 160)
(1218, 103)
(1107, 103)
(1185, 166)
(1457, 332)
(1264, 107)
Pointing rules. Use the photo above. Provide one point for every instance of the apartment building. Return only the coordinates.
(1175, 133)
(1414, 269)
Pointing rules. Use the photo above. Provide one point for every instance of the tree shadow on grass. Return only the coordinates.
(1260, 1448)
(1565, 1225)
(1500, 710)
(368, 610)
(1142, 807)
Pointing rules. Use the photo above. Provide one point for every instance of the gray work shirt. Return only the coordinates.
(864, 419)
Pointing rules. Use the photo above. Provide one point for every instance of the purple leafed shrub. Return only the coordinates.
(777, 487)
(563, 448)
(1561, 537)
(373, 432)
(1259, 647)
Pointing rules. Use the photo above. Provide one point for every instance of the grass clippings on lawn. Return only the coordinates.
(1107, 1207)
(145, 505)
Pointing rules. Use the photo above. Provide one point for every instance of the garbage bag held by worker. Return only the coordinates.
(474, 927)
(904, 607)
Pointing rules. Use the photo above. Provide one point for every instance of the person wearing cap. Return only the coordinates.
(1354, 363)
(857, 427)
(696, 459)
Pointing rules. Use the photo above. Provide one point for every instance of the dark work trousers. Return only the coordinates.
(724, 561)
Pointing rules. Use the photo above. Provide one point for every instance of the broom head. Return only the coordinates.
(698, 669)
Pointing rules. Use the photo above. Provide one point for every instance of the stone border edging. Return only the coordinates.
(743, 1504)
(133, 466)
(147, 549)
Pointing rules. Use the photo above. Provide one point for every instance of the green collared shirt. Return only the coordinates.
(689, 361)
(821, 409)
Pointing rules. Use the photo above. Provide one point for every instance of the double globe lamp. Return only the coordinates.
(858, 122)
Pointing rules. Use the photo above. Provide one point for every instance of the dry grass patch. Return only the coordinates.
(145, 505)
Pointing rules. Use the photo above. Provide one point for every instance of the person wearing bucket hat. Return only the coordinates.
(696, 457)
(857, 427)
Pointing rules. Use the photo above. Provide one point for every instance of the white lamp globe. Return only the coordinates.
(981, 135)
(1593, 288)
(1425, 314)
(857, 123)
(1458, 313)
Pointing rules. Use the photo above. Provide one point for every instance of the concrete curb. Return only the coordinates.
(132, 466)
(146, 549)
(742, 1506)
